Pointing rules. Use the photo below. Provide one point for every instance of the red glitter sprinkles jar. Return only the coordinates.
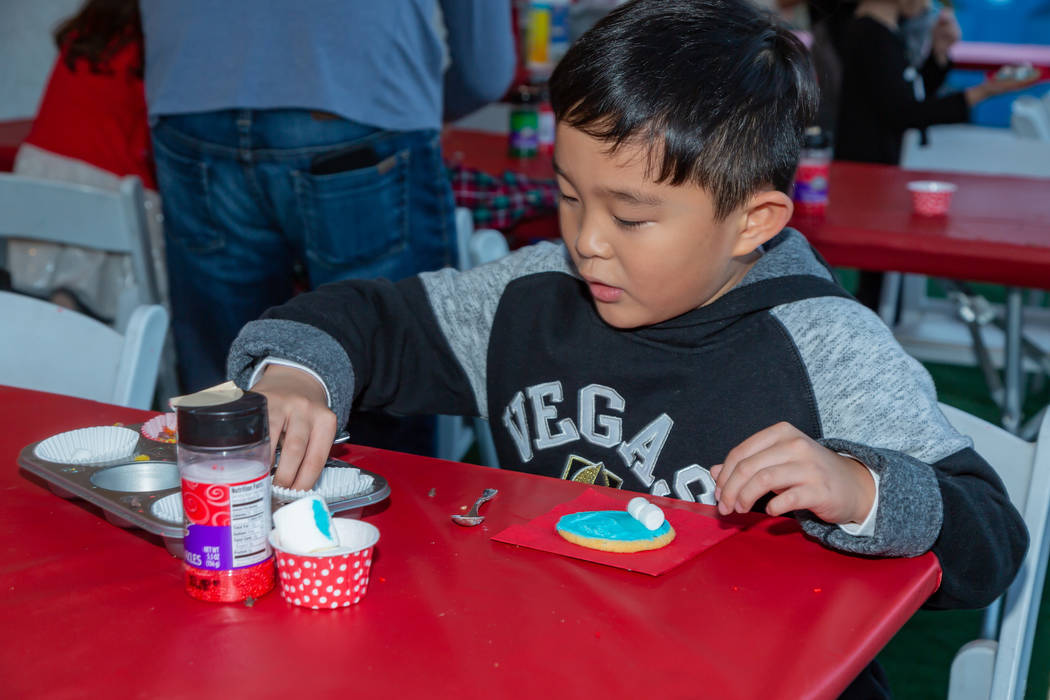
(223, 455)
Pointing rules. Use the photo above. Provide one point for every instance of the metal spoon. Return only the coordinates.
(472, 517)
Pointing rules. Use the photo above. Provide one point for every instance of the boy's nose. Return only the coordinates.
(591, 241)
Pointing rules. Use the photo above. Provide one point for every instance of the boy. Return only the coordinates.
(681, 342)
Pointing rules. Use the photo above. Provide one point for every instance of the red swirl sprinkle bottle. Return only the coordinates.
(223, 456)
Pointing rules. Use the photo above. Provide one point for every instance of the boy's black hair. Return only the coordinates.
(717, 87)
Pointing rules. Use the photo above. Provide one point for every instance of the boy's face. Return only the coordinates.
(648, 251)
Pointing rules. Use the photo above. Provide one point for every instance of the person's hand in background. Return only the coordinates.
(945, 33)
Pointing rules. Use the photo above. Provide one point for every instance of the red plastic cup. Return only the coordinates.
(332, 579)
(931, 197)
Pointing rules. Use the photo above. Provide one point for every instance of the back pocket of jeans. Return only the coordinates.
(356, 217)
(186, 184)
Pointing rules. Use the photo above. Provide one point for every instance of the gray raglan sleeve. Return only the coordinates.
(878, 404)
(412, 348)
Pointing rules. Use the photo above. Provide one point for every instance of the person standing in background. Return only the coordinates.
(883, 94)
(290, 134)
(90, 129)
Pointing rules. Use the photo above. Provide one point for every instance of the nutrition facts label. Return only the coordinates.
(227, 525)
(250, 521)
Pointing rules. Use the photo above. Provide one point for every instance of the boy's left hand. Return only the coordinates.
(804, 475)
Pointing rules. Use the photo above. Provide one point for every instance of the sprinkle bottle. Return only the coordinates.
(811, 179)
(223, 456)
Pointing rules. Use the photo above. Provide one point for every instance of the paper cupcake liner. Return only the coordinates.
(160, 428)
(169, 508)
(104, 443)
(328, 580)
(335, 482)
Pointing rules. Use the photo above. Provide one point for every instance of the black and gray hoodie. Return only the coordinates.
(520, 343)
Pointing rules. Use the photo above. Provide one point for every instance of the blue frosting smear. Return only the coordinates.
(609, 525)
(323, 520)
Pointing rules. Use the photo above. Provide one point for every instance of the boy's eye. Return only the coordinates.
(624, 223)
(566, 198)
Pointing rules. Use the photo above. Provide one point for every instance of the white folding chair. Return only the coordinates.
(998, 668)
(966, 148)
(89, 217)
(1029, 118)
(456, 434)
(50, 348)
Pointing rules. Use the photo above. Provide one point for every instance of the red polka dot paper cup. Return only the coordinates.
(327, 580)
(931, 197)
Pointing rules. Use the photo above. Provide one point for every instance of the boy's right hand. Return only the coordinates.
(300, 421)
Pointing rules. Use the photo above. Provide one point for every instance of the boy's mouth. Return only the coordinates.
(603, 292)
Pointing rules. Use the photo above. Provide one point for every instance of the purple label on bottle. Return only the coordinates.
(208, 547)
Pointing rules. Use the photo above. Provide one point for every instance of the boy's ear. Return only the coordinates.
(764, 216)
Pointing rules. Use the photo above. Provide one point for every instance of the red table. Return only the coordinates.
(997, 230)
(93, 610)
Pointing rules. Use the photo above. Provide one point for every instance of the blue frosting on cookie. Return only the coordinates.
(608, 525)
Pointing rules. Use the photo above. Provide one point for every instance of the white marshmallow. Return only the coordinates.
(635, 505)
(648, 514)
(305, 526)
(651, 516)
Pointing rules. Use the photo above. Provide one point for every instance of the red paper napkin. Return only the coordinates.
(693, 534)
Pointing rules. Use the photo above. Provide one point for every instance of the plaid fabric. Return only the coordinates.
(502, 202)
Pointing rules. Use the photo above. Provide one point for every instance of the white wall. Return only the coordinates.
(27, 52)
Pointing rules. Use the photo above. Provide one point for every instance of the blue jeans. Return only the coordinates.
(241, 209)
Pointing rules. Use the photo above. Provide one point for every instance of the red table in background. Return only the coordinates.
(997, 230)
(91, 610)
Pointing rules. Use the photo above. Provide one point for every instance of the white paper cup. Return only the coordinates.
(161, 428)
(96, 445)
(334, 482)
(169, 508)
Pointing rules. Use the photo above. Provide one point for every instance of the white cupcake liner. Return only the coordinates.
(154, 428)
(103, 443)
(169, 508)
(334, 482)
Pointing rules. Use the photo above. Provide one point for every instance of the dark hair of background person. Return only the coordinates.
(718, 87)
(98, 32)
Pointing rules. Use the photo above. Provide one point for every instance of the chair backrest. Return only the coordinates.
(456, 434)
(50, 348)
(1029, 118)
(1025, 470)
(90, 217)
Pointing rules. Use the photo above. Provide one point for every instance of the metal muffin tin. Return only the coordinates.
(127, 490)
